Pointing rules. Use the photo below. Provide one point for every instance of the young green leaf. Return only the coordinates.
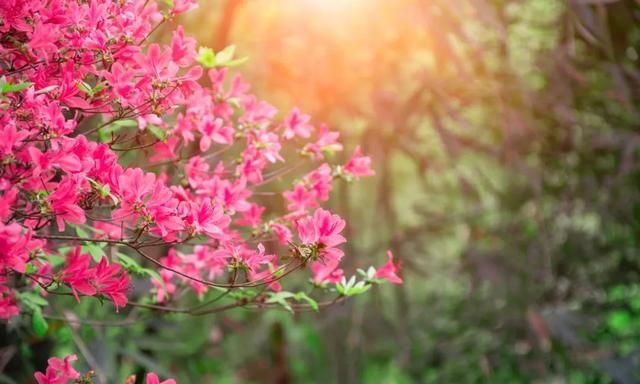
(157, 131)
(17, 87)
(281, 298)
(206, 57)
(39, 323)
(225, 55)
(301, 296)
(94, 250)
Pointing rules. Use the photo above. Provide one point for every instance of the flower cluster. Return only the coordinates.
(61, 372)
(58, 371)
(113, 146)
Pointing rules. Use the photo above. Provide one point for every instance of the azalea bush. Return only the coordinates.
(145, 175)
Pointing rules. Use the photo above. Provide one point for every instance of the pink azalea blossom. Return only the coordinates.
(112, 282)
(323, 230)
(181, 6)
(327, 142)
(300, 199)
(297, 124)
(389, 271)
(253, 216)
(209, 220)
(64, 204)
(152, 378)
(58, 371)
(106, 279)
(8, 304)
(326, 272)
(359, 165)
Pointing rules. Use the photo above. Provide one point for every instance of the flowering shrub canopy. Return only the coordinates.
(113, 147)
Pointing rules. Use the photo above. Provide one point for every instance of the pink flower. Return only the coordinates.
(257, 111)
(268, 145)
(58, 371)
(64, 205)
(107, 230)
(135, 184)
(214, 130)
(389, 271)
(182, 49)
(104, 279)
(112, 282)
(43, 38)
(78, 275)
(326, 272)
(196, 170)
(234, 195)
(320, 181)
(297, 124)
(120, 80)
(300, 199)
(253, 216)
(8, 305)
(359, 165)
(181, 6)
(258, 264)
(162, 207)
(152, 378)
(209, 219)
(327, 142)
(282, 233)
(15, 246)
(6, 201)
(323, 229)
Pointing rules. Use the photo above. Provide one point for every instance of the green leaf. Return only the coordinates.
(359, 288)
(226, 54)
(94, 250)
(32, 300)
(84, 87)
(57, 260)
(39, 323)
(131, 265)
(124, 123)
(104, 133)
(206, 57)
(234, 63)
(151, 273)
(351, 287)
(157, 131)
(82, 233)
(242, 293)
(301, 296)
(128, 262)
(30, 268)
(281, 298)
(99, 87)
(17, 87)
(224, 58)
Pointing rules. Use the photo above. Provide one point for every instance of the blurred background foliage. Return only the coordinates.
(507, 174)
